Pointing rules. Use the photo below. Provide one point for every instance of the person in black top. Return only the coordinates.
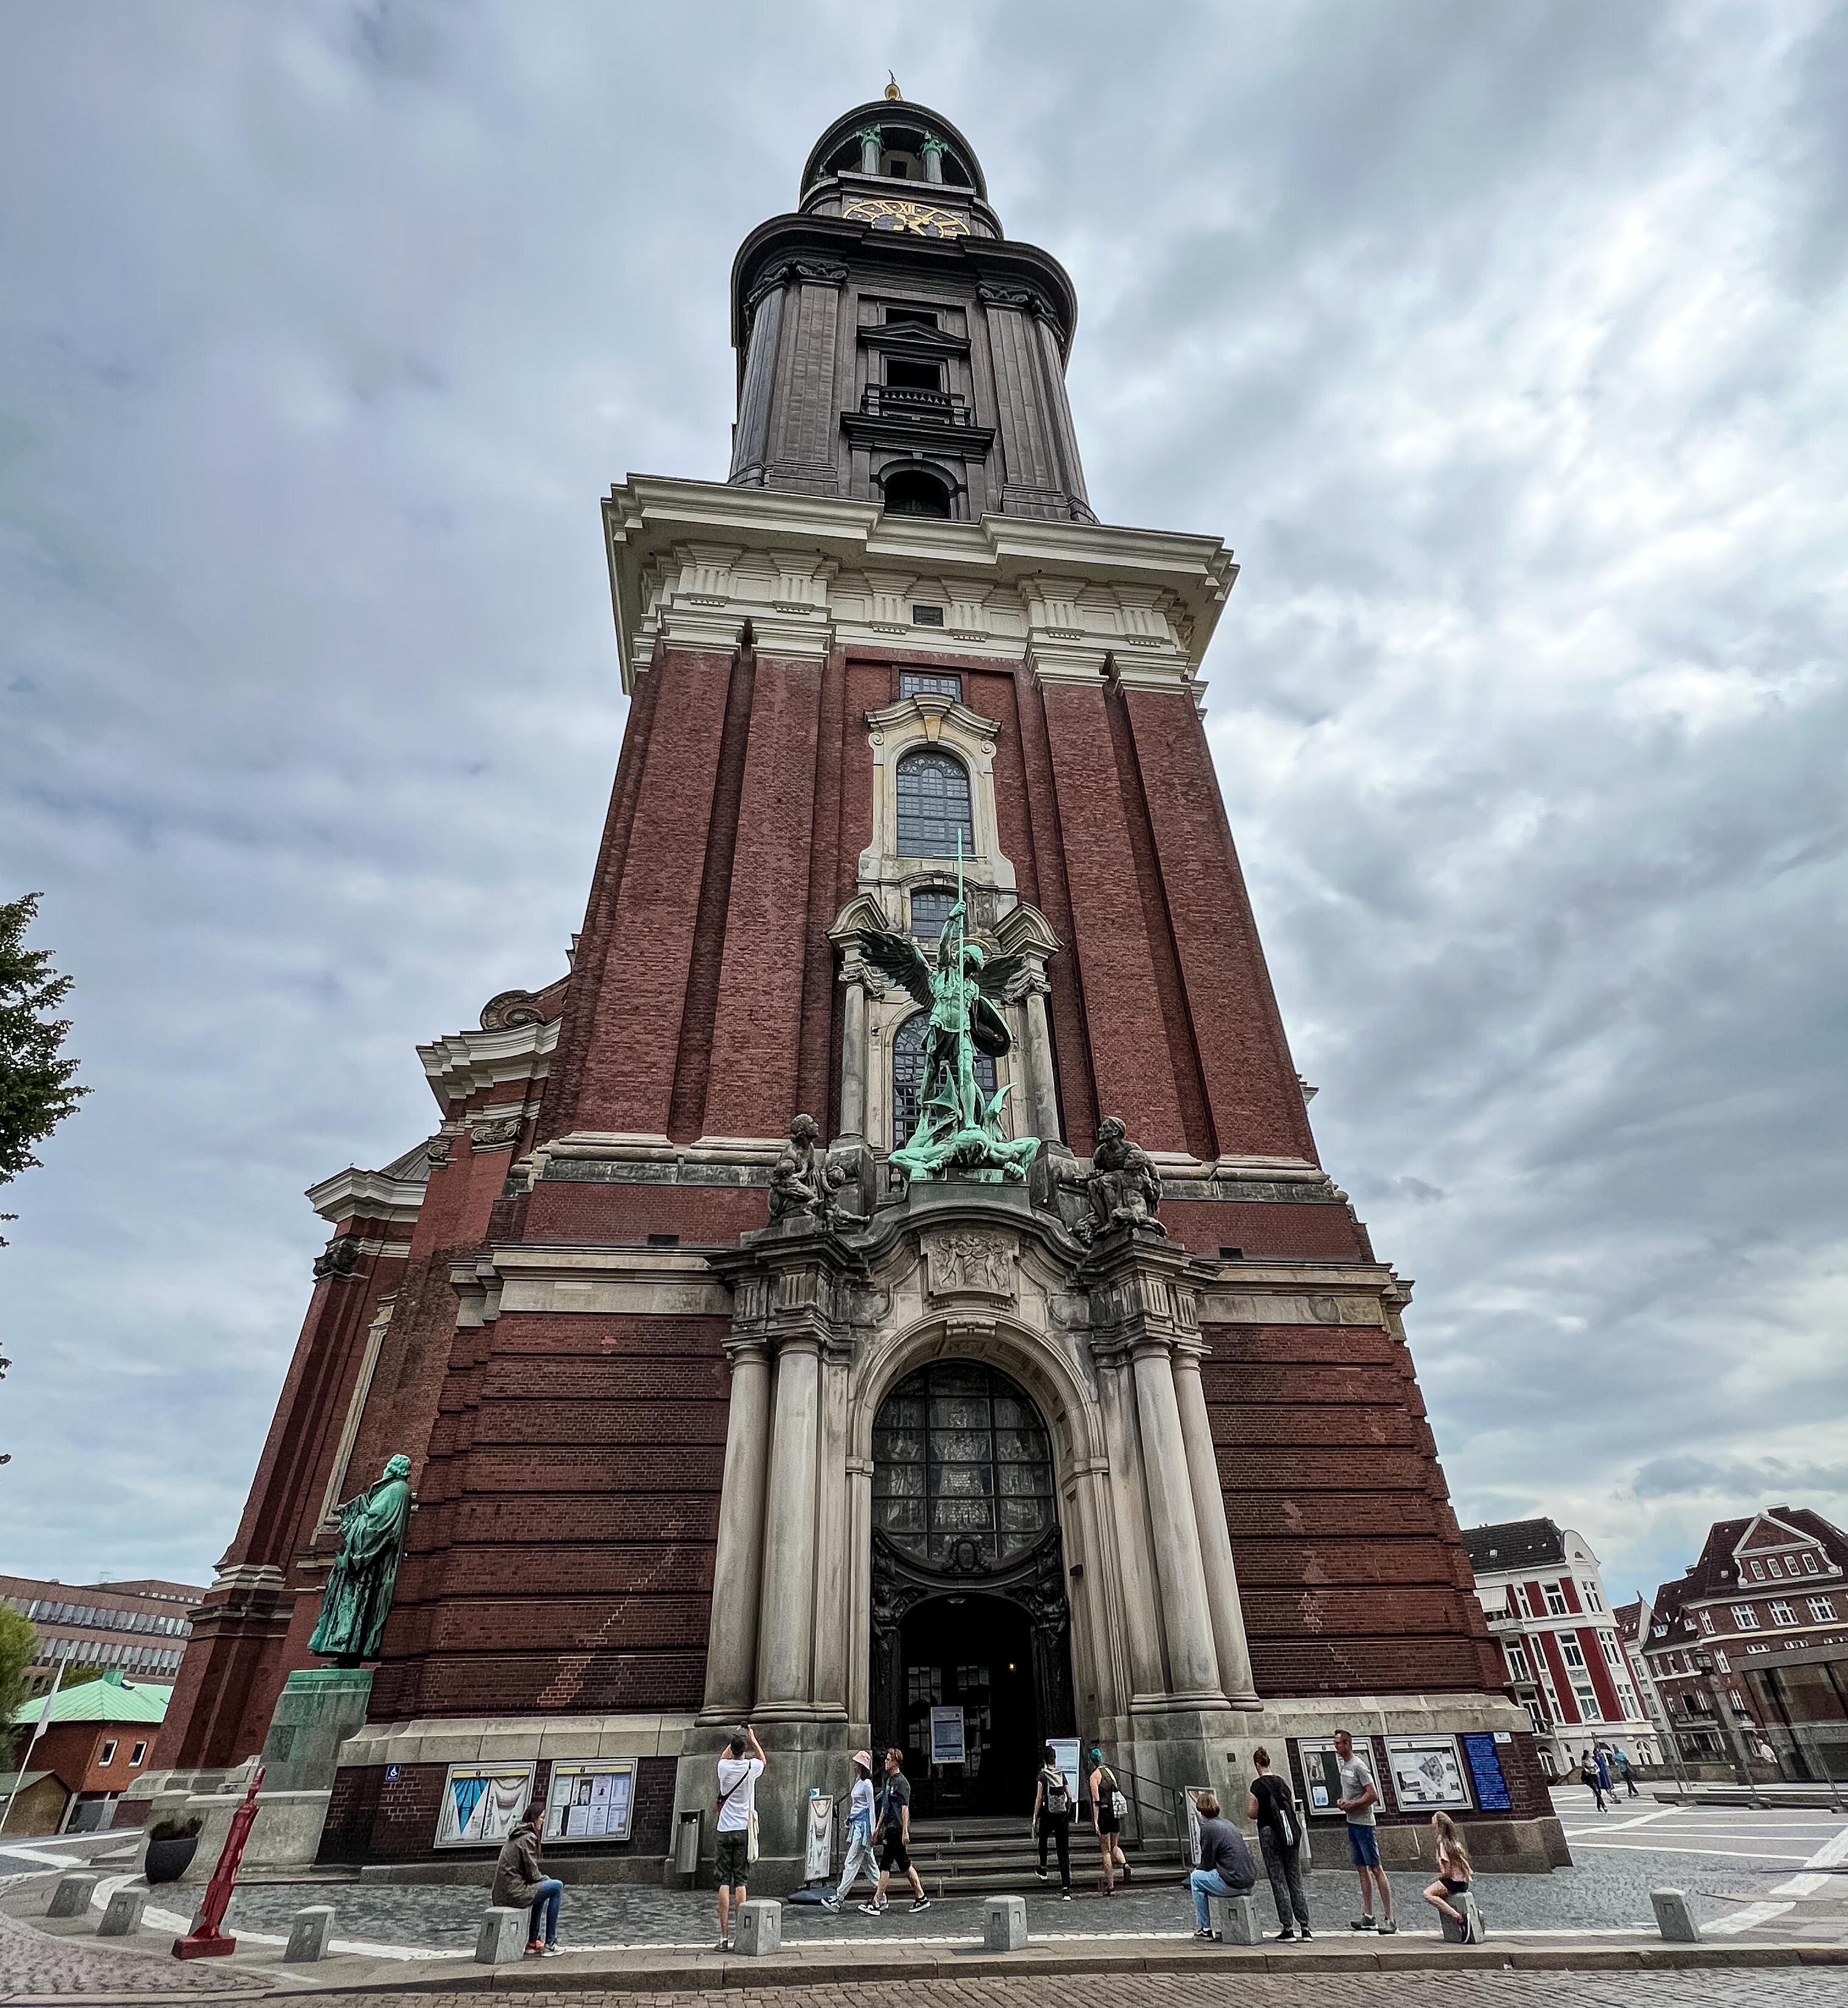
(1273, 1805)
(1052, 1817)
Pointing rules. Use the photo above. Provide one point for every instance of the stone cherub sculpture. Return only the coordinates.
(1122, 1187)
(804, 1182)
(358, 1599)
(958, 1127)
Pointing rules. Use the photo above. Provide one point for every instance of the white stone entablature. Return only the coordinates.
(460, 1065)
(693, 560)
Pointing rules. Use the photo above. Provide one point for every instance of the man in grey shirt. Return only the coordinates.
(1359, 1796)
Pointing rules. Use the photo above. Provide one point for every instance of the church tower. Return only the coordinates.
(716, 1409)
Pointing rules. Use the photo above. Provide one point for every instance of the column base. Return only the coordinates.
(800, 1754)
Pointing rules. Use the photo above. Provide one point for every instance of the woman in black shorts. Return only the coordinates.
(1104, 1823)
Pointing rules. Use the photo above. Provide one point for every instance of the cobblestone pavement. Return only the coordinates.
(34, 1961)
(1765, 1988)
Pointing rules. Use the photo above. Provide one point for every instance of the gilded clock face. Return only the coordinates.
(887, 212)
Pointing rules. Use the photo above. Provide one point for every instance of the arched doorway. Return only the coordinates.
(968, 1606)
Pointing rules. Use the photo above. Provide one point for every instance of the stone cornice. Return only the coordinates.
(354, 1194)
(692, 561)
(462, 1064)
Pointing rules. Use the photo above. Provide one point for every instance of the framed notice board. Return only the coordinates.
(594, 1800)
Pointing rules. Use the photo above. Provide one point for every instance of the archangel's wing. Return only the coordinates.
(989, 1028)
(997, 974)
(896, 955)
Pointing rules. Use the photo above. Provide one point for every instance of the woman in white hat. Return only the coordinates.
(859, 1833)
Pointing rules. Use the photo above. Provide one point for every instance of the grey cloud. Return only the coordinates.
(1501, 343)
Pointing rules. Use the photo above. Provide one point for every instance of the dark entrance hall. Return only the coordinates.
(974, 1653)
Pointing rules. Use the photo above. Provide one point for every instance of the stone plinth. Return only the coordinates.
(318, 1709)
(502, 1939)
(1004, 1924)
(308, 1933)
(757, 1927)
(287, 1834)
(1234, 1919)
(71, 1897)
(122, 1919)
(1674, 1918)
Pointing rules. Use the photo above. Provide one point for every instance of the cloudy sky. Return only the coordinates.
(1506, 345)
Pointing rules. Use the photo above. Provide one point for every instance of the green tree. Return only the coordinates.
(18, 1645)
(37, 1091)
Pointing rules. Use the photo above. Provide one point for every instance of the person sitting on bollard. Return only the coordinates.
(518, 1885)
(1225, 1867)
(1453, 1875)
(860, 1833)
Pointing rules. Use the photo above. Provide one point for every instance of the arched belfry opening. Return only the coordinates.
(971, 1629)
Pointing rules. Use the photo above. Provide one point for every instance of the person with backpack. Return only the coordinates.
(859, 1833)
(1590, 1773)
(1273, 1805)
(736, 1823)
(1052, 1818)
(1108, 1808)
(1453, 1877)
(1627, 1772)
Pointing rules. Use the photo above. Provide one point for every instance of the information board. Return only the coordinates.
(947, 1745)
(1485, 1770)
(817, 1852)
(1321, 1773)
(594, 1800)
(1427, 1774)
(1065, 1760)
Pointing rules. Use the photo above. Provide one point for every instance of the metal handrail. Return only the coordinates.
(1166, 1802)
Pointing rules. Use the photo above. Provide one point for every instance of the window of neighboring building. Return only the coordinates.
(136, 1754)
(1570, 1653)
(1744, 1617)
(1517, 1655)
(1782, 1613)
(1587, 1699)
(1721, 1661)
(1537, 1716)
(907, 1076)
(1520, 1597)
(933, 809)
(1614, 1653)
(931, 907)
(928, 683)
(1738, 1702)
(1822, 1609)
(1755, 1571)
(1706, 1623)
(1556, 1600)
(108, 1753)
(1627, 1698)
(1757, 1649)
(1809, 1561)
(1592, 1600)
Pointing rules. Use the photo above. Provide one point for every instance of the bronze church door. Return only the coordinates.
(971, 1631)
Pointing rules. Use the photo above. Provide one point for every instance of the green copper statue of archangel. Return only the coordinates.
(959, 1127)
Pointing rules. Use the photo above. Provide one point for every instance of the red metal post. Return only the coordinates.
(208, 1942)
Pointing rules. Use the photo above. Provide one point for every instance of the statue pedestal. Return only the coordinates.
(318, 1709)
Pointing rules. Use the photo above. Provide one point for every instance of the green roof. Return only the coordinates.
(110, 1699)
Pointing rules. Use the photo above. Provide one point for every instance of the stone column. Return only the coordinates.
(1042, 1090)
(833, 1623)
(1186, 1620)
(731, 1648)
(786, 1630)
(1142, 1637)
(1215, 1537)
(869, 150)
(853, 1061)
(932, 151)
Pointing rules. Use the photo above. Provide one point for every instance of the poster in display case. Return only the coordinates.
(591, 1800)
(481, 1803)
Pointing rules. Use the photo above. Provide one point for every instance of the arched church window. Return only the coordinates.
(931, 907)
(933, 791)
(913, 491)
(962, 1468)
(907, 1073)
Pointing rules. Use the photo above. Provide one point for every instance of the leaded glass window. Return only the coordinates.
(933, 807)
(931, 907)
(929, 683)
(907, 1074)
(962, 1468)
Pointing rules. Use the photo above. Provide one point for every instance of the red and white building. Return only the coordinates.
(1769, 1583)
(1543, 1594)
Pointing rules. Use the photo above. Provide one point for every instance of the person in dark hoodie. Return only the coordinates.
(519, 1885)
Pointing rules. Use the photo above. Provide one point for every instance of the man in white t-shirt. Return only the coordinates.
(859, 1833)
(1359, 1795)
(739, 1770)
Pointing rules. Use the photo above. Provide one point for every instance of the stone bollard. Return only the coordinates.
(1673, 1918)
(502, 1939)
(122, 1919)
(308, 1934)
(757, 1927)
(1470, 1930)
(1004, 1924)
(1234, 1919)
(71, 1898)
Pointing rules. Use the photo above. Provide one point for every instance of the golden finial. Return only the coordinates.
(891, 89)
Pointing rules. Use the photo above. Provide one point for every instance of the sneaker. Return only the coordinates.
(534, 1945)
(831, 1903)
(1303, 1932)
(1387, 1928)
(1203, 1933)
(1064, 1896)
(1361, 1924)
(1041, 1873)
(874, 1910)
(923, 1903)
(1285, 1938)
(725, 1945)
(552, 1949)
